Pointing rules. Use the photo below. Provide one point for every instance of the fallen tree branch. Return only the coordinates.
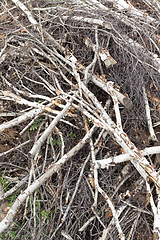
(111, 161)
(53, 168)
(36, 147)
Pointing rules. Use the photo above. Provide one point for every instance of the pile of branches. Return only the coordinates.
(80, 105)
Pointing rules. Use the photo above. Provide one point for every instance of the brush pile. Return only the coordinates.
(80, 119)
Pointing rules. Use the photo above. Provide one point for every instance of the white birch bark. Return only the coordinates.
(111, 161)
(26, 11)
(36, 147)
(53, 168)
(20, 119)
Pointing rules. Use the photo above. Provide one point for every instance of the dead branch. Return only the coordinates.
(68, 68)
